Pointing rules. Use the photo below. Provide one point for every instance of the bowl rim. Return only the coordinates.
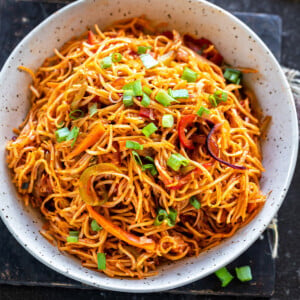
(195, 276)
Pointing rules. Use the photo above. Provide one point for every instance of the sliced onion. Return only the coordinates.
(213, 148)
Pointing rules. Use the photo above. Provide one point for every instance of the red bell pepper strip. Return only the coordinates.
(147, 113)
(129, 238)
(184, 122)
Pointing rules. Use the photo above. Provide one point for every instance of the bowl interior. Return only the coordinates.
(240, 47)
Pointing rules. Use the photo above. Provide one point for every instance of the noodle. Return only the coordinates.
(83, 157)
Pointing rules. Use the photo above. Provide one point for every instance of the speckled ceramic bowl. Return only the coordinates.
(239, 45)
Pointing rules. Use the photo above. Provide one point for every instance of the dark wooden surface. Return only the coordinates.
(288, 263)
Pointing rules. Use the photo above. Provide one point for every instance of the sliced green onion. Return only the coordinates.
(179, 94)
(244, 273)
(147, 90)
(146, 100)
(161, 216)
(143, 49)
(148, 61)
(203, 110)
(213, 100)
(151, 168)
(149, 158)
(233, 75)
(135, 87)
(194, 201)
(106, 62)
(172, 217)
(73, 135)
(224, 276)
(220, 96)
(176, 160)
(93, 109)
(61, 134)
(116, 57)
(101, 259)
(73, 113)
(73, 237)
(164, 98)
(189, 75)
(167, 121)
(149, 129)
(127, 98)
(134, 145)
(137, 158)
(95, 226)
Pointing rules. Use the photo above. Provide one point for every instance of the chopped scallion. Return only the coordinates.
(189, 75)
(179, 94)
(176, 160)
(135, 87)
(213, 100)
(203, 110)
(151, 168)
(149, 129)
(116, 57)
(146, 100)
(167, 121)
(161, 216)
(134, 145)
(76, 114)
(224, 276)
(164, 98)
(95, 226)
(93, 109)
(106, 62)
(101, 259)
(244, 273)
(143, 49)
(233, 75)
(172, 217)
(73, 237)
(194, 201)
(73, 135)
(61, 134)
(148, 61)
(149, 158)
(137, 158)
(220, 96)
(127, 98)
(147, 90)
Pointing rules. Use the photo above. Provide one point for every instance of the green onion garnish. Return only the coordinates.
(161, 216)
(135, 87)
(143, 49)
(127, 98)
(151, 168)
(147, 90)
(106, 62)
(213, 100)
(149, 129)
(179, 94)
(244, 273)
(137, 158)
(220, 96)
(73, 237)
(76, 114)
(167, 121)
(146, 100)
(61, 134)
(148, 61)
(203, 110)
(134, 145)
(101, 259)
(224, 276)
(233, 75)
(116, 57)
(73, 135)
(95, 226)
(93, 109)
(172, 217)
(189, 75)
(149, 158)
(176, 160)
(194, 201)
(164, 98)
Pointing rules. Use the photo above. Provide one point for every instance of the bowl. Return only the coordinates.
(238, 44)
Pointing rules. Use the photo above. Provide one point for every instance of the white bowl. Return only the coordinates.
(237, 43)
